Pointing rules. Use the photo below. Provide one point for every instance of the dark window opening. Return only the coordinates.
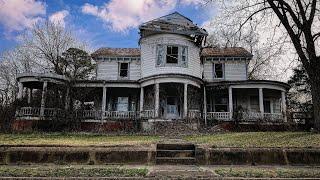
(266, 106)
(123, 71)
(218, 70)
(172, 54)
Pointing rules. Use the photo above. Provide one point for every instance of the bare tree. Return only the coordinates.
(299, 20)
(48, 41)
(224, 32)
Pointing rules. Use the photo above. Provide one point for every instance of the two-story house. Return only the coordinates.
(172, 75)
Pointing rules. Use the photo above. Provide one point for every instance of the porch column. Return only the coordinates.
(284, 105)
(29, 95)
(156, 100)
(20, 90)
(141, 98)
(230, 101)
(43, 98)
(261, 101)
(185, 101)
(104, 99)
(67, 100)
(205, 105)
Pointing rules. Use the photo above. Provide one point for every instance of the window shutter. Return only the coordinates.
(184, 56)
(160, 55)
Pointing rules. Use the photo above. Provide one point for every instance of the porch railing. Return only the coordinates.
(28, 111)
(226, 116)
(88, 114)
(147, 114)
(36, 112)
(194, 114)
(119, 114)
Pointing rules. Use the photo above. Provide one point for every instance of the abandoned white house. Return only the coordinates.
(170, 76)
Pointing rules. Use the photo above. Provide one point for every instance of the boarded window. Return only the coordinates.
(218, 70)
(123, 70)
(172, 54)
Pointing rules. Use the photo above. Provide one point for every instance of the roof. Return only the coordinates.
(225, 52)
(173, 23)
(241, 82)
(106, 51)
(207, 52)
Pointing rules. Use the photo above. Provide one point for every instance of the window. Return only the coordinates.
(221, 103)
(122, 104)
(172, 54)
(218, 70)
(123, 70)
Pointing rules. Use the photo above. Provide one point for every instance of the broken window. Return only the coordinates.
(123, 70)
(218, 70)
(172, 54)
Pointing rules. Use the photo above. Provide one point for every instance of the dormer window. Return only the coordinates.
(172, 55)
(218, 70)
(123, 70)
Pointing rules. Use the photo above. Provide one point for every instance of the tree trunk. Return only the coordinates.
(315, 92)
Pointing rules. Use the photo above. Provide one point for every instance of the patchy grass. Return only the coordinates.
(258, 139)
(71, 171)
(75, 139)
(260, 172)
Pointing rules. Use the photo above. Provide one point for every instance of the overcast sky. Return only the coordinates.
(101, 23)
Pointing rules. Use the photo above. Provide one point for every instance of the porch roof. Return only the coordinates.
(250, 82)
(225, 52)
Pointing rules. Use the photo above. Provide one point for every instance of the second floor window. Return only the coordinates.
(123, 70)
(172, 55)
(218, 70)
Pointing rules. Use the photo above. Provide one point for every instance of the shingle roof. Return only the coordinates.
(225, 52)
(173, 23)
(208, 51)
(116, 52)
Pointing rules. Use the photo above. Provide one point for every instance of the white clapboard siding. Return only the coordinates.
(108, 70)
(135, 70)
(234, 71)
(149, 55)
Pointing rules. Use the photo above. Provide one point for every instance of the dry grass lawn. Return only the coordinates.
(259, 139)
(75, 139)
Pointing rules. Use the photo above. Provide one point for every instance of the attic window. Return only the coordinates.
(172, 54)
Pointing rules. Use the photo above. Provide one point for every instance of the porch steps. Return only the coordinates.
(174, 154)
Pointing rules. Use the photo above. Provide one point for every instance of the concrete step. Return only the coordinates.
(176, 160)
(175, 147)
(175, 153)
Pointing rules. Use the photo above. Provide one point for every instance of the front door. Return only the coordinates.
(172, 108)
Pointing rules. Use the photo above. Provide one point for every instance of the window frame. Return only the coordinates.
(172, 56)
(214, 70)
(163, 57)
(119, 70)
